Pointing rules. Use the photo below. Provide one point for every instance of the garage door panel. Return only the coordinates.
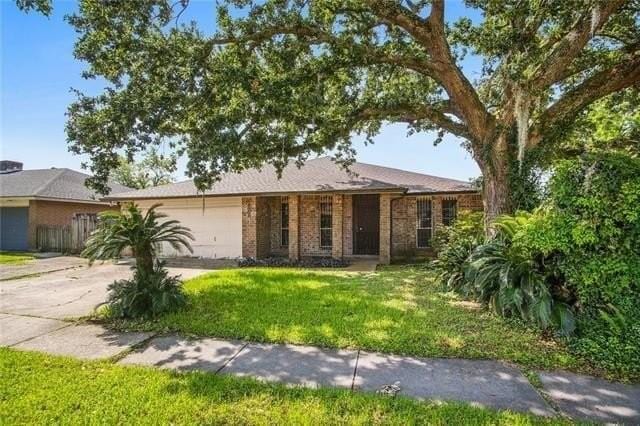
(14, 224)
(217, 229)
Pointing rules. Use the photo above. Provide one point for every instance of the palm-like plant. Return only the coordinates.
(508, 278)
(142, 232)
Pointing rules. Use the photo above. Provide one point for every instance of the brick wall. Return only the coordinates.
(403, 239)
(262, 215)
(385, 228)
(347, 225)
(310, 227)
(56, 213)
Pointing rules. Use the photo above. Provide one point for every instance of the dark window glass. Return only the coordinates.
(449, 212)
(423, 228)
(284, 223)
(326, 223)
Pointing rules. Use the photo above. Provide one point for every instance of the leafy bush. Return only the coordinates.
(147, 294)
(591, 224)
(512, 279)
(453, 245)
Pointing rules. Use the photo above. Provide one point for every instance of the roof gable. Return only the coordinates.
(61, 183)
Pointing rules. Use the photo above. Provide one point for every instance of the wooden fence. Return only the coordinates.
(67, 238)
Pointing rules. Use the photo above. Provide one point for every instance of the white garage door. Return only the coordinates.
(217, 228)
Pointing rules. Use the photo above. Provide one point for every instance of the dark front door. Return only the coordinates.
(366, 224)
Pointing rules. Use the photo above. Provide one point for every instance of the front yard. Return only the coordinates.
(397, 310)
(42, 389)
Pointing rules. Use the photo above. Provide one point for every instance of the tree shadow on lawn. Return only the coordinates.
(395, 312)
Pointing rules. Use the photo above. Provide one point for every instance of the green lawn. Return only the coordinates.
(40, 389)
(14, 258)
(397, 310)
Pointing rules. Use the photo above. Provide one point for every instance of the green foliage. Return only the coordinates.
(290, 79)
(154, 169)
(147, 294)
(453, 245)
(508, 276)
(591, 224)
(142, 232)
(151, 291)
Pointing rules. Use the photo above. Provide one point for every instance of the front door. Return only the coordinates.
(366, 224)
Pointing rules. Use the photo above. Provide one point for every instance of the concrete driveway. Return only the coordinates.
(68, 293)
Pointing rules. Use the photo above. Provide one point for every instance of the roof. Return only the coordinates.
(318, 175)
(63, 184)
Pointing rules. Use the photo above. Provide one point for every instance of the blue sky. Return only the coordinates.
(38, 70)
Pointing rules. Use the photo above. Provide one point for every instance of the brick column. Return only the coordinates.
(336, 225)
(249, 227)
(385, 228)
(294, 227)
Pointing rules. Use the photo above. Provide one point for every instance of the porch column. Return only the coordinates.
(249, 227)
(294, 227)
(336, 226)
(385, 228)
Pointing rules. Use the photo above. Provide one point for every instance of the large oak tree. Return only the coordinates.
(283, 79)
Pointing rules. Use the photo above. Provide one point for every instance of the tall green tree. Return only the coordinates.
(152, 170)
(287, 78)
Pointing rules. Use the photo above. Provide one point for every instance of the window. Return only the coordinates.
(449, 212)
(423, 231)
(326, 237)
(284, 222)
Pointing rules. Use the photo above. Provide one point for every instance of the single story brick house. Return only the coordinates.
(29, 198)
(316, 210)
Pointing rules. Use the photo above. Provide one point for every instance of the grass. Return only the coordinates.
(398, 310)
(14, 258)
(42, 389)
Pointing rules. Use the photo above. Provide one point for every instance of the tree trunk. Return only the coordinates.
(496, 198)
(496, 191)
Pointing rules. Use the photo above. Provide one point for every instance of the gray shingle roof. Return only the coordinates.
(61, 183)
(321, 174)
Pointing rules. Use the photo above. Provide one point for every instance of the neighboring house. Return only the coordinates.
(29, 198)
(316, 210)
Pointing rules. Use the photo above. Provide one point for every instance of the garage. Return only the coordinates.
(14, 224)
(216, 224)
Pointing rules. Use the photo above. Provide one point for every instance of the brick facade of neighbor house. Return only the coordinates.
(56, 213)
(262, 227)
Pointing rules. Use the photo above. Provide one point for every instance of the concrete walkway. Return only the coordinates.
(478, 382)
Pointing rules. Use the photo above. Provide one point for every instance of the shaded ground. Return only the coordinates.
(397, 310)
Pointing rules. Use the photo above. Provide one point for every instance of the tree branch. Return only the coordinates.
(624, 74)
(431, 36)
(570, 46)
(411, 114)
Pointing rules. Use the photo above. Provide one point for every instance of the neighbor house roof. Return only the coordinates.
(62, 184)
(319, 175)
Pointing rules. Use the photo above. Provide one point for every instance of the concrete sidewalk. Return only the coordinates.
(479, 382)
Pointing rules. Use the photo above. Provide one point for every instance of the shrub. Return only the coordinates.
(513, 280)
(147, 294)
(453, 245)
(591, 225)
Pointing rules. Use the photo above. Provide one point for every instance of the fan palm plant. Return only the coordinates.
(151, 291)
(142, 232)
